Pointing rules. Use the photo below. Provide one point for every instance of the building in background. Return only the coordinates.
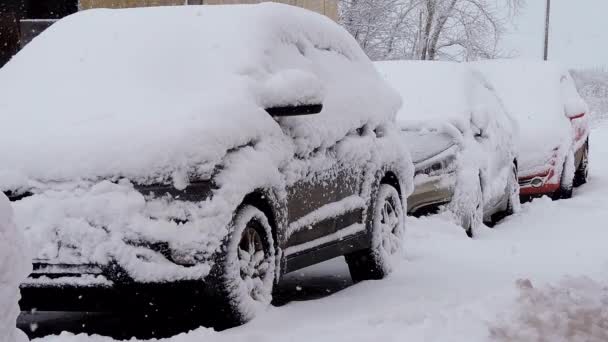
(326, 7)
(22, 20)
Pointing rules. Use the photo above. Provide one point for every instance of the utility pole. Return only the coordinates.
(547, 17)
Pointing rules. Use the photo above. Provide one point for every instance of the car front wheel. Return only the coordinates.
(388, 229)
(244, 273)
(473, 218)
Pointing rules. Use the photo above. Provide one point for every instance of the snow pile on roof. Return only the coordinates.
(574, 310)
(538, 95)
(14, 268)
(441, 92)
(143, 93)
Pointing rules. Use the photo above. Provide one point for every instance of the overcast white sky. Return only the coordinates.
(579, 32)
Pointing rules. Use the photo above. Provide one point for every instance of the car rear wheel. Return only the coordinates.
(580, 176)
(388, 229)
(244, 273)
(474, 218)
(566, 183)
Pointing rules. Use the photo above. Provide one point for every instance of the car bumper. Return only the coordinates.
(96, 288)
(538, 184)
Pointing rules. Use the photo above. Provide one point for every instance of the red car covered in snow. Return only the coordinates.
(553, 124)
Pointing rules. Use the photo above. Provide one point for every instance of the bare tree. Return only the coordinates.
(428, 29)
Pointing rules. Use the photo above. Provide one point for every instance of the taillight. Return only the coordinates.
(577, 116)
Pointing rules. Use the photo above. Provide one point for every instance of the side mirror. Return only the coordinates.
(295, 110)
(292, 92)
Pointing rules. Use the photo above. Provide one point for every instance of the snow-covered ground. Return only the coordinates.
(541, 275)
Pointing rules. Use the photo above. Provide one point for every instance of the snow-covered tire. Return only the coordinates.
(514, 204)
(243, 276)
(512, 197)
(473, 219)
(580, 176)
(566, 183)
(388, 230)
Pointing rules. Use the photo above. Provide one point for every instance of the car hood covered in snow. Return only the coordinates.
(154, 92)
(538, 95)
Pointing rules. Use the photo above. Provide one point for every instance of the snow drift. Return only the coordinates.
(575, 309)
(14, 267)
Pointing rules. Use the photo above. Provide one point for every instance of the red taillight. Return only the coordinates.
(577, 116)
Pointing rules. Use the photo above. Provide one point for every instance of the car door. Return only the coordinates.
(323, 201)
(492, 131)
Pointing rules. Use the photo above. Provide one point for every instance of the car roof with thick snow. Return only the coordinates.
(538, 95)
(141, 93)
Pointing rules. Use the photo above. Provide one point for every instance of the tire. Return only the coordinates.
(243, 276)
(474, 218)
(512, 196)
(580, 176)
(387, 234)
(566, 183)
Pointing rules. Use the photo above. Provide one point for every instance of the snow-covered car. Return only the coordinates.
(140, 149)
(460, 138)
(554, 139)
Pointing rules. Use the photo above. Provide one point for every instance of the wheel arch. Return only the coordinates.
(274, 207)
(389, 177)
(263, 200)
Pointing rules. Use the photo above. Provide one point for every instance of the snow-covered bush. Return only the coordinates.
(574, 310)
(14, 267)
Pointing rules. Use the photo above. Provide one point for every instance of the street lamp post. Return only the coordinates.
(547, 17)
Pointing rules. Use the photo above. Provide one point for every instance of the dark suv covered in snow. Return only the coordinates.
(221, 161)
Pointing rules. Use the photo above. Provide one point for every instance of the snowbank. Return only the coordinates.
(146, 93)
(14, 267)
(575, 309)
(538, 95)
